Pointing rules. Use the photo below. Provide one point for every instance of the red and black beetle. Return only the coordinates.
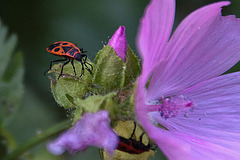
(133, 146)
(70, 52)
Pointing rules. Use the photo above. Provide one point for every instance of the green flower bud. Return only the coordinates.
(111, 72)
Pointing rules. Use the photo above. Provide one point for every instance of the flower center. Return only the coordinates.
(171, 107)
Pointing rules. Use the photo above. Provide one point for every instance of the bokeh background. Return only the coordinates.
(87, 23)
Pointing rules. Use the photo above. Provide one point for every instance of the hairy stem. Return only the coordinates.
(38, 139)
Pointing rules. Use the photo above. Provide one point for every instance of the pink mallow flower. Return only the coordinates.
(119, 42)
(92, 130)
(181, 87)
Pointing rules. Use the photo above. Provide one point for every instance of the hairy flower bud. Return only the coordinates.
(116, 65)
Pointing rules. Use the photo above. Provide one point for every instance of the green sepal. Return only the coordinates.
(69, 85)
(132, 66)
(126, 100)
(95, 103)
(127, 110)
(108, 69)
(111, 72)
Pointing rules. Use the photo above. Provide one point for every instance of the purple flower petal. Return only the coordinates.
(92, 130)
(211, 131)
(119, 42)
(204, 46)
(154, 31)
(214, 123)
(217, 107)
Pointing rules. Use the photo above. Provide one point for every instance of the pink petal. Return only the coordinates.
(92, 130)
(154, 31)
(204, 46)
(119, 42)
(193, 146)
(215, 119)
(218, 107)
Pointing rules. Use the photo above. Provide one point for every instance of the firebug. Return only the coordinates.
(133, 146)
(70, 52)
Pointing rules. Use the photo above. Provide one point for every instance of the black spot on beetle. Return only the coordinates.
(56, 49)
(51, 47)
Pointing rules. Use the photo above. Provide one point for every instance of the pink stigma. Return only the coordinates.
(171, 107)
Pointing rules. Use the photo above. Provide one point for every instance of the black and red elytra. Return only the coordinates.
(133, 146)
(70, 52)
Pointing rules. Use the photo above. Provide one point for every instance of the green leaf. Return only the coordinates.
(69, 85)
(95, 103)
(11, 86)
(7, 46)
(11, 77)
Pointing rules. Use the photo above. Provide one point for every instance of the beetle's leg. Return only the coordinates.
(82, 69)
(89, 65)
(62, 67)
(153, 147)
(88, 68)
(133, 130)
(73, 67)
(85, 62)
(81, 49)
(52, 61)
(141, 137)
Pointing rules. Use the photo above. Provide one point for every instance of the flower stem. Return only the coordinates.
(38, 139)
(10, 141)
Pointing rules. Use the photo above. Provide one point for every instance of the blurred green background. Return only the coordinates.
(87, 23)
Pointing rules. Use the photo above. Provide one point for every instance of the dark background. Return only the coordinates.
(87, 23)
